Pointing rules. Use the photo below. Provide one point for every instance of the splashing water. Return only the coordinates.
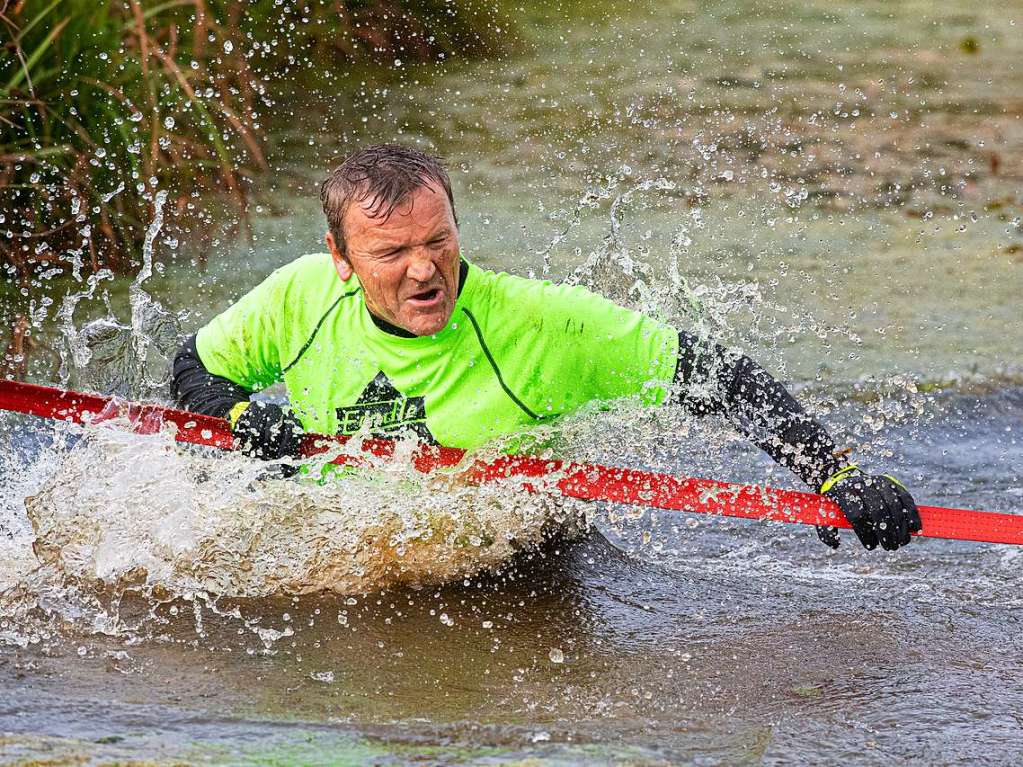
(216, 527)
(786, 196)
(130, 359)
(112, 513)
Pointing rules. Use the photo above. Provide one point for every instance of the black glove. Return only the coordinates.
(879, 509)
(267, 431)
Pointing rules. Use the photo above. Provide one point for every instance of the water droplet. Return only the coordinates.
(556, 655)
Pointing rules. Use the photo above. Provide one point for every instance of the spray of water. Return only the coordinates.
(214, 526)
(110, 513)
(107, 354)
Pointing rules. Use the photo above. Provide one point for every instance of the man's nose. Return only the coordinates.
(421, 268)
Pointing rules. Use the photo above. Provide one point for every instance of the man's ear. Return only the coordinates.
(341, 264)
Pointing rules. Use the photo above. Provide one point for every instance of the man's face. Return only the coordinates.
(407, 263)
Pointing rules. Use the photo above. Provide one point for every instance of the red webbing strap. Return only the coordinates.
(78, 407)
(585, 481)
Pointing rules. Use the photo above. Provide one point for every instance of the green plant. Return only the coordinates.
(102, 104)
(105, 101)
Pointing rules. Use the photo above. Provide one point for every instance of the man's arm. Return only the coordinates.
(715, 380)
(197, 390)
(265, 430)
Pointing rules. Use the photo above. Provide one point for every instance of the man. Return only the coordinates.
(393, 331)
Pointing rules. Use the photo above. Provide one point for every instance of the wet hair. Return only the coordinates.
(385, 174)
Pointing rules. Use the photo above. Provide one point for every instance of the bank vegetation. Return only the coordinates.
(102, 103)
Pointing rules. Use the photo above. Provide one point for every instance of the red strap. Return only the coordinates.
(586, 481)
(77, 407)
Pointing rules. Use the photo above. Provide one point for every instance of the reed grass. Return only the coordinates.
(104, 102)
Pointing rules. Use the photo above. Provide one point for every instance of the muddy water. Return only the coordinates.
(835, 187)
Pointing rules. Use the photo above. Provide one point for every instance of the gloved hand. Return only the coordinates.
(879, 509)
(265, 430)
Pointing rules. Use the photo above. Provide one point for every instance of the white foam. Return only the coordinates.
(127, 510)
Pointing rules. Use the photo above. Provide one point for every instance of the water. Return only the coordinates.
(735, 168)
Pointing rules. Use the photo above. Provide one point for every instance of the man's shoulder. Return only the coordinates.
(311, 270)
(562, 344)
(308, 281)
(528, 300)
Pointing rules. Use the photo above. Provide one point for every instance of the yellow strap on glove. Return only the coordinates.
(237, 410)
(837, 477)
(889, 476)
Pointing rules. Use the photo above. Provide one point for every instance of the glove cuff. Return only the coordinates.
(848, 470)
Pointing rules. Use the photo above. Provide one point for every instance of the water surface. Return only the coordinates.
(833, 187)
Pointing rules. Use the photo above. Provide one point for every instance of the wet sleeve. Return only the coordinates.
(241, 343)
(197, 390)
(713, 379)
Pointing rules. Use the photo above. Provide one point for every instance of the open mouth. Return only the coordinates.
(426, 296)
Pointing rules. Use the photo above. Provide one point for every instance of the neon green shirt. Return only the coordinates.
(515, 353)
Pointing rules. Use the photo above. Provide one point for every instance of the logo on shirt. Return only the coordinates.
(384, 410)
